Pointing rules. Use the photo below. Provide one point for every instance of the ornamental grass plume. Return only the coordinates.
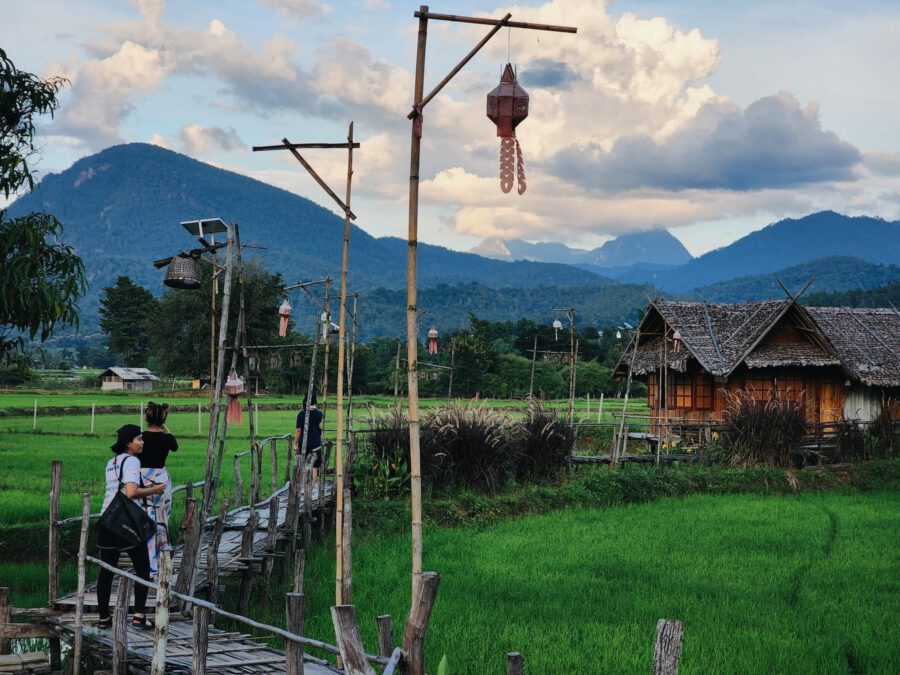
(761, 433)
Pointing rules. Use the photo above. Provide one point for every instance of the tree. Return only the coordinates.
(126, 312)
(41, 278)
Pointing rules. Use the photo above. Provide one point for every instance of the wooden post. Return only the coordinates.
(514, 663)
(385, 635)
(346, 632)
(246, 553)
(5, 617)
(189, 515)
(238, 481)
(299, 566)
(623, 435)
(452, 368)
(346, 550)
(667, 652)
(120, 627)
(190, 552)
(397, 372)
(293, 651)
(201, 640)
(600, 409)
(34, 419)
(141, 418)
(53, 545)
(93, 414)
(269, 555)
(417, 621)
(199, 419)
(79, 603)
(212, 554)
(164, 575)
(273, 448)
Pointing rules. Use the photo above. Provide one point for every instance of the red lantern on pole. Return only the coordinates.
(234, 387)
(507, 105)
(432, 341)
(284, 312)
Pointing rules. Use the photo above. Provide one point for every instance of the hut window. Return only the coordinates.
(703, 392)
(759, 387)
(652, 390)
(789, 388)
(681, 390)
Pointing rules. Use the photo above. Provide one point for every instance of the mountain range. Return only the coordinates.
(121, 208)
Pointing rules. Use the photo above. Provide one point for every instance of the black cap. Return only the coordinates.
(124, 435)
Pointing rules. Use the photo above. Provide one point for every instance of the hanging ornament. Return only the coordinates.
(296, 359)
(557, 326)
(285, 313)
(324, 320)
(234, 387)
(432, 341)
(507, 105)
(676, 341)
(274, 361)
(618, 335)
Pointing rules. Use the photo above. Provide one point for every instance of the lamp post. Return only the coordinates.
(557, 324)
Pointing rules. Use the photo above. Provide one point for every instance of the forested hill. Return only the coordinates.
(121, 209)
(787, 243)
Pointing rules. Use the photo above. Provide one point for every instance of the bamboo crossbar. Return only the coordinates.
(325, 146)
(492, 22)
(274, 630)
(77, 519)
(394, 661)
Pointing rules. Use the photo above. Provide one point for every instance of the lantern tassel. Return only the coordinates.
(234, 414)
(507, 163)
(283, 326)
(520, 168)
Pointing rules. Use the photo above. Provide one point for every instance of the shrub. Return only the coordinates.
(545, 442)
(382, 469)
(471, 446)
(884, 430)
(758, 432)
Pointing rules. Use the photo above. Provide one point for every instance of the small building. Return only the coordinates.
(137, 379)
(837, 362)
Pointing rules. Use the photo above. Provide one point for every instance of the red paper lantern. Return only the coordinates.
(507, 106)
(432, 341)
(284, 312)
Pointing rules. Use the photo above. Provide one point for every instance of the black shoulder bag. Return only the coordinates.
(126, 520)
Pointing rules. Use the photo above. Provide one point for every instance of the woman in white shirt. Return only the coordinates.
(124, 468)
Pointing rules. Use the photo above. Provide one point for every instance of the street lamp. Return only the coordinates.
(557, 325)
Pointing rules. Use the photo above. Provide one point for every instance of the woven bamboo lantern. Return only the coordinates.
(507, 106)
(183, 272)
(432, 341)
(284, 313)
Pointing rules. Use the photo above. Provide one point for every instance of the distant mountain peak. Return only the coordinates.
(493, 247)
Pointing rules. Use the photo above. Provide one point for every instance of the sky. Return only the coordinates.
(711, 119)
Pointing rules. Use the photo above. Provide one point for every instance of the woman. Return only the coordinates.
(124, 468)
(158, 442)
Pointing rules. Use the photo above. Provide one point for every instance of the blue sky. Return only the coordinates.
(710, 118)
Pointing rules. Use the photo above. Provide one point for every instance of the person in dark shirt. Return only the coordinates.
(158, 443)
(314, 440)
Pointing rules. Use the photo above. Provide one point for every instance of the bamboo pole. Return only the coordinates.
(34, 419)
(79, 603)
(212, 553)
(247, 552)
(623, 436)
(93, 415)
(533, 361)
(158, 662)
(269, 559)
(339, 412)
(238, 481)
(53, 533)
(452, 368)
(346, 549)
(412, 342)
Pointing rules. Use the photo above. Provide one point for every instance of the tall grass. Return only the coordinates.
(756, 432)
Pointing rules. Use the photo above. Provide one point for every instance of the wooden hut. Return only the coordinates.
(127, 378)
(839, 362)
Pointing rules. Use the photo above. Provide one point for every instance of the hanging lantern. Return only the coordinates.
(274, 361)
(599, 337)
(183, 272)
(618, 334)
(253, 363)
(557, 326)
(324, 320)
(234, 387)
(432, 341)
(507, 105)
(297, 359)
(676, 341)
(285, 313)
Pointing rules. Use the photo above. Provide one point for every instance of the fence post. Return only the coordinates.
(53, 546)
(93, 413)
(158, 664)
(247, 554)
(349, 641)
(199, 419)
(120, 627)
(5, 617)
(79, 603)
(238, 482)
(201, 640)
(34, 419)
(299, 565)
(669, 634)
(274, 450)
(600, 410)
(293, 651)
(212, 554)
(141, 420)
(346, 548)
(385, 635)
(269, 559)
(417, 622)
(514, 664)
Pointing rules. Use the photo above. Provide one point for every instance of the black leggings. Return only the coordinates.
(140, 559)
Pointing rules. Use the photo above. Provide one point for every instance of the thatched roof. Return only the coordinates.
(867, 341)
(720, 337)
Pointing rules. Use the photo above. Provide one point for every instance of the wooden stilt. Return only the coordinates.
(5, 617)
(53, 545)
(346, 550)
(299, 566)
(269, 559)
(346, 631)
(120, 627)
(238, 480)
(79, 603)
(417, 621)
(293, 651)
(201, 641)
(514, 664)
(385, 635)
(212, 554)
(667, 651)
(164, 577)
(247, 553)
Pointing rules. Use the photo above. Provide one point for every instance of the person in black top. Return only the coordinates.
(158, 443)
(314, 440)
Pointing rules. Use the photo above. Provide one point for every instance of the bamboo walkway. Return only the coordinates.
(228, 653)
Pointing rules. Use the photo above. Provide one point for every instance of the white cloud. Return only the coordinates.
(297, 10)
(199, 140)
